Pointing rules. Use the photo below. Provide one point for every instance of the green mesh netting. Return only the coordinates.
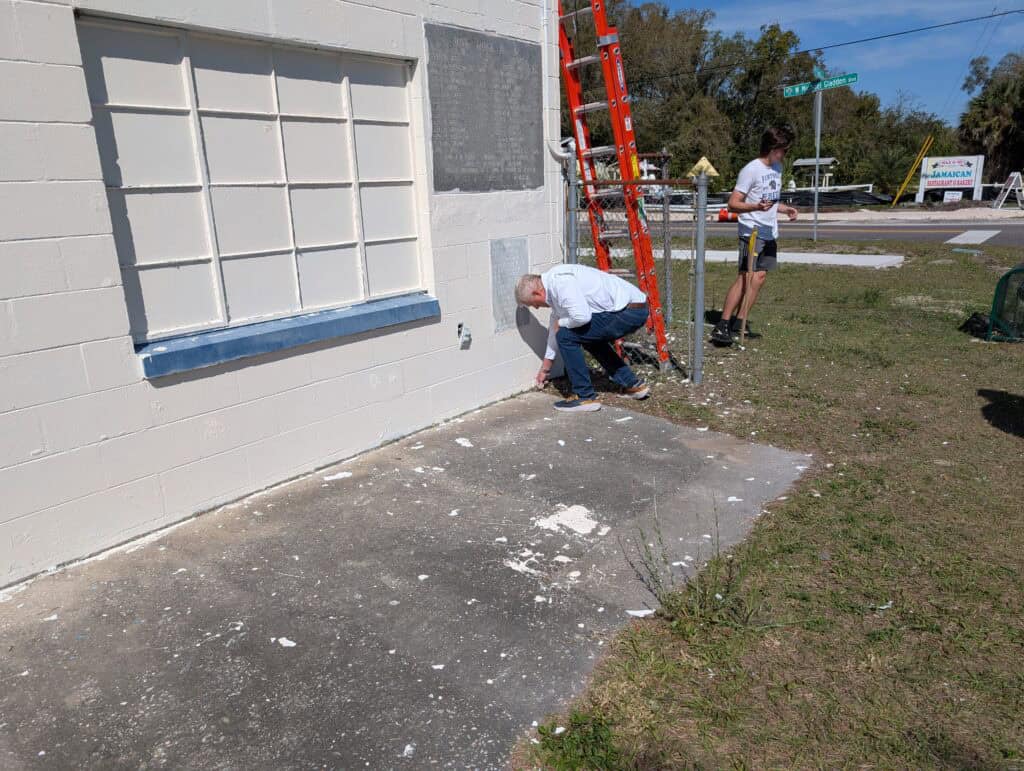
(1006, 322)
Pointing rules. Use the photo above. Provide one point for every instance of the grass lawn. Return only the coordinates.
(874, 617)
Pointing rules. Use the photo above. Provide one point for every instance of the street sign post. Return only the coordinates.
(816, 87)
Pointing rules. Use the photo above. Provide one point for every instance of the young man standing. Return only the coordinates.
(590, 310)
(756, 199)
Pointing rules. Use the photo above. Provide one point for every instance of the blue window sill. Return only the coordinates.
(182, 354)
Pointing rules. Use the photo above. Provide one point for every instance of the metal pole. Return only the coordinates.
(572, 240)
(667, 235)
(697, 365)
(817, 157)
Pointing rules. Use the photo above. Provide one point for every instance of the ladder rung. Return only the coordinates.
(621, 272)
(591, 107)
(596, 152)
(604, 235)
(573, 14)
(607, 192)
(584, 60)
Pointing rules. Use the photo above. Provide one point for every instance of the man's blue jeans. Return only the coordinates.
(596, 338)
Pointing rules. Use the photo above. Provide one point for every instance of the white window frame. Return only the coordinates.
(347, 120)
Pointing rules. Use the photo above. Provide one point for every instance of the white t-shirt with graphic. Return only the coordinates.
(758, 181)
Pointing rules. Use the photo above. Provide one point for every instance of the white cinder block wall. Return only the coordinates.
(91, 453)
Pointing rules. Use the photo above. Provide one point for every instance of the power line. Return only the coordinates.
(974, 53)
(873, 38)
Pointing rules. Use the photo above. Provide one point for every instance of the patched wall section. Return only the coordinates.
(510, 259)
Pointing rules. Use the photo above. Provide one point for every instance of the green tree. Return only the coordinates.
(699, 92)
(993, 124)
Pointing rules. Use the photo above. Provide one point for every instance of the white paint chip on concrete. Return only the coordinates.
(463, 442)
(576, 518)
(339, 475)
(973, 237)
(284, 642)
(521, 567)
(640, 613)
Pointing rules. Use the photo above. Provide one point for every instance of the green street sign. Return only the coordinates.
(819, 85)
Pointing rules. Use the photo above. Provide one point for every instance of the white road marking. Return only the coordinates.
(973, 237)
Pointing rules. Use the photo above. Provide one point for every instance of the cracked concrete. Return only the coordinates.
(417, 606)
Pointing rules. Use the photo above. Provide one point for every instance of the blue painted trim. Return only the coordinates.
(182, 354)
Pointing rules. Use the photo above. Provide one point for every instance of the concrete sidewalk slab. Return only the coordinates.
(417, 606)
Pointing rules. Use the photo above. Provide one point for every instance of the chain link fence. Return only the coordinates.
(675, 211)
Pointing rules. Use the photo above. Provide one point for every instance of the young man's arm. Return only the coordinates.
(737, 201)
(789, 211)
(740, 206)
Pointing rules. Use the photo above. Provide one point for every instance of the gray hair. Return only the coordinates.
(526, 286)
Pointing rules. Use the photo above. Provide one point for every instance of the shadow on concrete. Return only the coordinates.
(1004, 410)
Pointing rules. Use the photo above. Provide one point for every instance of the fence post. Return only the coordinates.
(697, 365)
(572, 218)
(667, 236)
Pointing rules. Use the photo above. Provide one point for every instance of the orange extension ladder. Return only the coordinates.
(595, 197)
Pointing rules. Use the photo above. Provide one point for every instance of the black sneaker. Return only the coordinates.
(735, 326)
(720, 334)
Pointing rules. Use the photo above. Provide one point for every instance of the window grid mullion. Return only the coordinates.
(204, 174)
(284, 171)
(409, 137)
(357, 200)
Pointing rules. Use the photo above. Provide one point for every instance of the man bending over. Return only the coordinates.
(756, 199)
(590, 310)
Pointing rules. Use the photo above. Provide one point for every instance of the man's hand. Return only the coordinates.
(792, 214)
(764, 205)
(542, 375)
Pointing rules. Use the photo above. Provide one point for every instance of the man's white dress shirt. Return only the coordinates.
(577, 292)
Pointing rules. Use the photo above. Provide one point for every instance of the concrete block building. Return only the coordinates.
(243, 240)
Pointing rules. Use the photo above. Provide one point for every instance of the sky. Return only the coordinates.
(928, 67)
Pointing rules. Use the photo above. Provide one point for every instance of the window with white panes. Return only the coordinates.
(249, 181)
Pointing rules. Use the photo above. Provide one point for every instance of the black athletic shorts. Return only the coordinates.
(766, 255)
